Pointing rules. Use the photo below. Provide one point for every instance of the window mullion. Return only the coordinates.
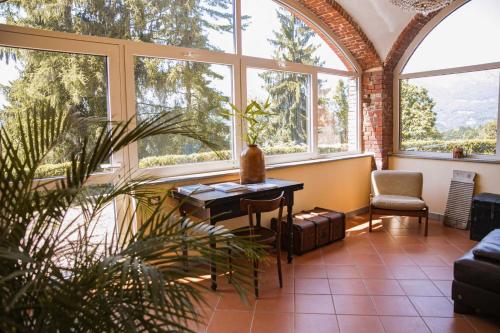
(313, 129)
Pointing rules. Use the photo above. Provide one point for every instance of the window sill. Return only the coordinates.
(444, 158)
(206, 175)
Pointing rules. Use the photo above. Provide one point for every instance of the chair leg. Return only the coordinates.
(420, 220)
(278, 263)
(256, 277)
(370, 224)
(230, 265)
(426, 225)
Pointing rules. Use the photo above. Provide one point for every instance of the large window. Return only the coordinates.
(449, 89)
(128, 59)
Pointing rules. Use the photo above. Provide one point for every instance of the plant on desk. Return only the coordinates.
(58, 273)
(252, 162)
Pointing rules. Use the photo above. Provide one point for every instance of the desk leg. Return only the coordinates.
(184, 247)
(213, 266)
(289, 224)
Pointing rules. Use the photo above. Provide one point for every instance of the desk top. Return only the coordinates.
(206, 199)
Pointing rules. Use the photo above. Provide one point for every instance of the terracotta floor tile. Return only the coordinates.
(338, 259)
(361, 248)
(310, 271)
(358, 324)
(374, 272)
(312, 286)
(449, 325)
(428, 260)
(347, 287)
(356, 305)
(408, 272)
(383, 287)
(394, 306)
(444, 286)
(315, 323)
(403, 324)
(419, 288)
(272, 322)
(483, 324)
(310, 258)
(341, 272)
(397, 260)
(280, 303)
(230, 322)
(433, 306)
(232, 301)
(314, 304)
(201, 325)
(438, 273)
(366, 259)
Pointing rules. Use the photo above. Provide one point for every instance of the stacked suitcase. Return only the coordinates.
(485, 215)
(313, 228)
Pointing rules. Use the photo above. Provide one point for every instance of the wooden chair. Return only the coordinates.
(260, 234)
(398, 193)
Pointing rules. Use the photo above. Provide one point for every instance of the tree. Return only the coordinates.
(418, 120)
(341, 109)
(289, 91)
(81, 81)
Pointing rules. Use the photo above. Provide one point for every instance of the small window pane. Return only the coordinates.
(287, 131)
(465, 37)
(444, 112)
(194, 90)
(337, 114)
(201, 24)
(273, 32)
(71, 82)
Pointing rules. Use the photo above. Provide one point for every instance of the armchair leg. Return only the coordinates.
(370, 223)
(256, 277)
(420, 220)
(426, 225)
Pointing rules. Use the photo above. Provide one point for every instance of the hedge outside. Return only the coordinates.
(477, 146)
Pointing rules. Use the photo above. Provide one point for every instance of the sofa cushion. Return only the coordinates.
(484, 274)
(489, 247)
(397, 202)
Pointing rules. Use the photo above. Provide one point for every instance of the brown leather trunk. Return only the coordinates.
(337, 222)
(304, 235)
(322, 226)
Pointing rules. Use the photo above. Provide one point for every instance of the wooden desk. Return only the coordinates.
(216, 206)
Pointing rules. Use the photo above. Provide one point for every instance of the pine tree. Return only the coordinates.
(289, 91)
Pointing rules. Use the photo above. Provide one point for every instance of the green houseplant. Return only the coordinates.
(57, 275)
(252, 161)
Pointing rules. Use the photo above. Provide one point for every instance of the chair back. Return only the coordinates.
(396, 182)
(262, 206)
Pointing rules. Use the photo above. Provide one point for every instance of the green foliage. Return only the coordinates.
(58, 274)
(255, 116)
(418, 120)
(485, 131)
(471, 146)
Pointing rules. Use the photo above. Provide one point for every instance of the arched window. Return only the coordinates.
(449, 87)
(189, 58)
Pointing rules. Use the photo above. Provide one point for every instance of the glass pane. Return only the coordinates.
(337, 114)
(444, 112)
(287, 130)
(271, 31)
(464, 38)
(194, 90)
(74, 82)
(202, 24)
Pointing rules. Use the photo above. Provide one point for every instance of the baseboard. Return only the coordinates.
(436, 216)
(362, 210)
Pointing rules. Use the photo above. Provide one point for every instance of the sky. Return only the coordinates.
(464, 38)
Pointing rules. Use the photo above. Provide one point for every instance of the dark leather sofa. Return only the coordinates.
(476, 284)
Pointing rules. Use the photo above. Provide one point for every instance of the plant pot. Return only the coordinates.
(252, 165)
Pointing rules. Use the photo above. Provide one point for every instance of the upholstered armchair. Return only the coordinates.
(398, 193)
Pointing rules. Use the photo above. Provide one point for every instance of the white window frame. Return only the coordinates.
(121, 84)
(399, 76)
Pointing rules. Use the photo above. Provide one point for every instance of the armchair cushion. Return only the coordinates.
(396, 182)
(397, 202)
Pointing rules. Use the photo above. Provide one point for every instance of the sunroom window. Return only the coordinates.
(449, 88)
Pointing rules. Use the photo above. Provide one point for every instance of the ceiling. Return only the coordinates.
(380, 20)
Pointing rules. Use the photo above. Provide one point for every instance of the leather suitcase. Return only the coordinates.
(322, 226)
(485, 215)
(304, 235)
(337, 222)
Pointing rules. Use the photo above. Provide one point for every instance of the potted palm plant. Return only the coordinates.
(252, 161)
(57, 274)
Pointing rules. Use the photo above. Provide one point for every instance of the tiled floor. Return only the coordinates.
(392, 280)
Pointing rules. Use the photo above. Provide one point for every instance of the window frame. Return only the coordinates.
(399, 76)
(121, 84)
